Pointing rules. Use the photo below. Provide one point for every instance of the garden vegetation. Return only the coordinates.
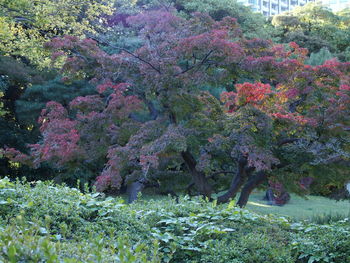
(41, 222)
(194, 98)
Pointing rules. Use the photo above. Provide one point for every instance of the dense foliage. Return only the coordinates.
(315, 27)
(26, 25)
(158, 114)
(42, 222)
(165, 96)
(197, 96)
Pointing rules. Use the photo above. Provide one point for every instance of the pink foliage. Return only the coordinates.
(147, 161)
(294, 118)
(177, 58)
(117, 88)
(60, 136)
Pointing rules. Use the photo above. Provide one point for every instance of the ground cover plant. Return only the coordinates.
(42, 222)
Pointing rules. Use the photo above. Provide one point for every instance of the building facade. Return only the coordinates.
(274, 7)
(336, 5)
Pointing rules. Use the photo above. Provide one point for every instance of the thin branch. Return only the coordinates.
(79, 55)
(128, 52)
(221, 172)
(287, 141)
(196, 65)
(19, 19)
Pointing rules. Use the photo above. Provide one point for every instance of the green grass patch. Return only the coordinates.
(302, 208)
(316, 209)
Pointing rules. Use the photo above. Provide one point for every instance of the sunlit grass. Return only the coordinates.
(298, 208)
(301, 208)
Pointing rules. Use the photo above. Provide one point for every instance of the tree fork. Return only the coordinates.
(237, 181)
(252, 183)
(199, 178)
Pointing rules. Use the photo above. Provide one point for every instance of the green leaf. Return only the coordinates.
(3, 202)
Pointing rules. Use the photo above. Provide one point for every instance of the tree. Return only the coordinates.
(320, 57)
(33, 100)
(15, 77)
(26, 25)
(314, 26)
(291, 131)
(253, 25)
(278, 118)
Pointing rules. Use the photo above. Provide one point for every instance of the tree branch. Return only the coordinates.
(128, 52)
(197, 64)
(287, 141)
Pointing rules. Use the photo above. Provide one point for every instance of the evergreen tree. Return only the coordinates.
(320, 57)
(34, 99)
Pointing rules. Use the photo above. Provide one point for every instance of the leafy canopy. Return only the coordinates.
(154, 114)
(25, 25)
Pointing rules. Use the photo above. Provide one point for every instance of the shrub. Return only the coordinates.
(41, 222)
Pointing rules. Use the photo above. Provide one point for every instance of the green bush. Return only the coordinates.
(41, 222)
(323, 243)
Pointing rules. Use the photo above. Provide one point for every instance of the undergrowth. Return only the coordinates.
(42, 222)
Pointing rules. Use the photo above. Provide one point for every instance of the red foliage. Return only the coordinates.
(60, 137)
(282, 98)
(252, 93)
(294, 118)
(247, 93)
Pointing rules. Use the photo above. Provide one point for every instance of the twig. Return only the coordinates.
(128, 52)
(196, 65)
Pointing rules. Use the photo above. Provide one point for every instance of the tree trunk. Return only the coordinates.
(199, 179)
(133, 190)
(252, 183)
(237, 181)
(152, 110)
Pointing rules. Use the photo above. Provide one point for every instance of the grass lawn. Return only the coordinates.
(300, 208)
(314, 208)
